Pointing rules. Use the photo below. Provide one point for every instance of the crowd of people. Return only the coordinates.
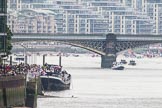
(32, 70)
(7, 69)
(56, 70)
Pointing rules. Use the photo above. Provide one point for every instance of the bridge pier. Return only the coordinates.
(110, 51)
(107, 61)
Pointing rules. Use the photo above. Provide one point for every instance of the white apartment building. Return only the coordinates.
(88, 16)
(68, 17)
(122, 19)
(78, 19)
(32, 21)
(135, 4)
(14, 4)
(153, 8)
(11, 19)
(155, 12)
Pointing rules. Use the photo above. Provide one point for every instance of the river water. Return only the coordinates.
(92, 87)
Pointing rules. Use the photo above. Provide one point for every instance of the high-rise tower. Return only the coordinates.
(3, 23)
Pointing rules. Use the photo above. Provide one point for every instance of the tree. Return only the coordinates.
(8, 45)
(8, 41)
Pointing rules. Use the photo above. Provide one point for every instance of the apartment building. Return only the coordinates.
(32, 21)
(154, 10)
(14, 4)
(88, 16)
(79, 19)
(122, 19)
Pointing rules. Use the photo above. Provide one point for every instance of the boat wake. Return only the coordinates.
(50, 96)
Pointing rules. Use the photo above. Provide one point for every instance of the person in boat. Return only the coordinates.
(48, 71)
(43, 72)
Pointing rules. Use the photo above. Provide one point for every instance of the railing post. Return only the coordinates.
(44, 59)
(60, 59)
(10, 60)
(26, 59)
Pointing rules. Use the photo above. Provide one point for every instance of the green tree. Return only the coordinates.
(8, 45)
(8, 41)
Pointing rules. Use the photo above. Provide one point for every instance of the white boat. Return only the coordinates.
(117, 66)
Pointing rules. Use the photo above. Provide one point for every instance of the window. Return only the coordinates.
(3, 6)
(1, 43)
(3, 24)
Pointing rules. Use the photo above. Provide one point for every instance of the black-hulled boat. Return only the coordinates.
(123, 61)
(55, 80)
(132, 62)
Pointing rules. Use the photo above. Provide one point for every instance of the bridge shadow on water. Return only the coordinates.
(126, 68)
(84, 68)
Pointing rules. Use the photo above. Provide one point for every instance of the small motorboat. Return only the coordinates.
(117, 66)
(123, 61)
(132, 62)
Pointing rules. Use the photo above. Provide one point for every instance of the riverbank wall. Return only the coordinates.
(16, 92)
(12, 91)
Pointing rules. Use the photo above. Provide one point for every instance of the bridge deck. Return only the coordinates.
(101, 37)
